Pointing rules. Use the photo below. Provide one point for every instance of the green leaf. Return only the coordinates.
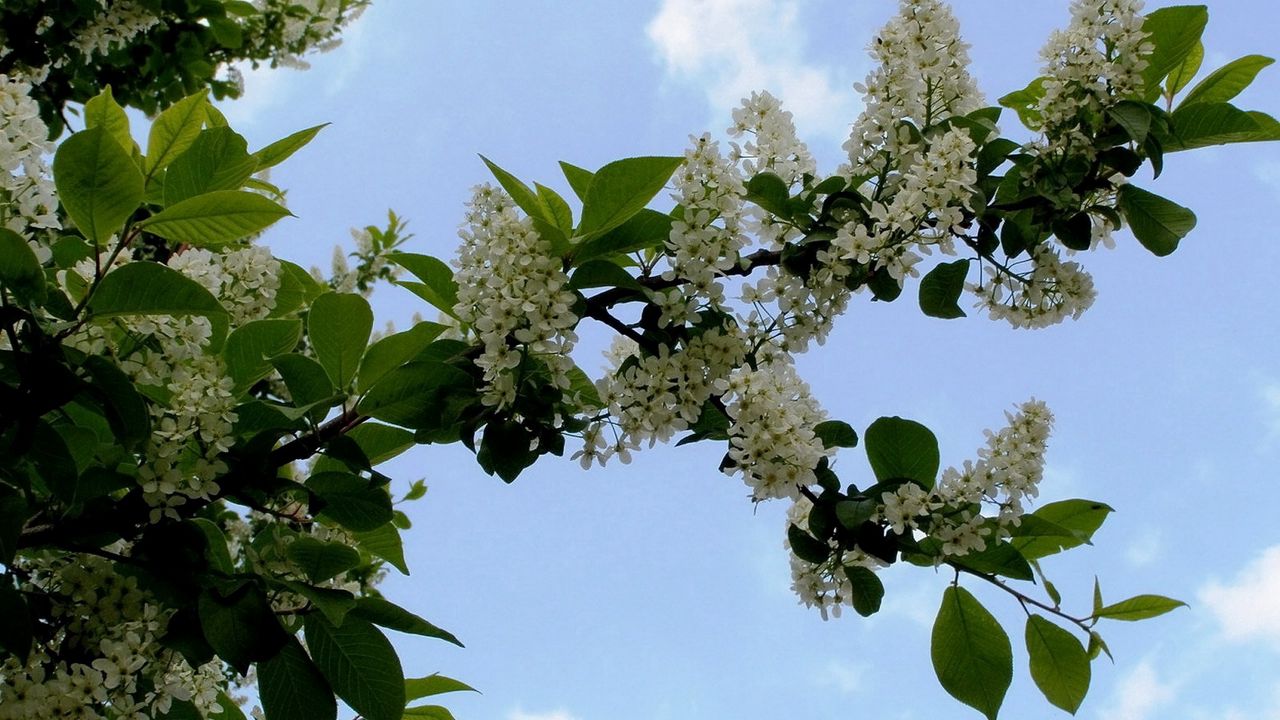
(394, 617)
(1184, 71)
(241, 627)
(148, 288)
(438, 286)
(215, 218)
(1059, 663)
(866, 590)
(16, 630)
(646, 229)
(377, 443)
(1139, 607)
(292, 688)
(431, 712)
(505, 449)
(999, 558)
(338, 328)
(321, 560)
(20, 271)
(807, 547)
(770, 192)
(1174, 33)
(621, 189)
(305, 379)
(602, 273)
(557, 209)
(384, 543)
(102, 111)
(836, 433)
(1134, 117)
(902, 449)
(1227, 81)
(579, 179)
(126, 410)
(278, 151)
(98, 183)
(360, 665)
(14, 512)
(1026, 103)
(395, 350)
(1081, 518)
(333, 603)
(582, 390)
(351, 501)
(418, 395)
(520, 193)
(1097, 646)
(297, 288)
(971, 653)
(1158, 223)
(174, 130)
(435, 684)
(940, 290)
(1205, 124)
(217, 160)
(251, 346)
(215, 549)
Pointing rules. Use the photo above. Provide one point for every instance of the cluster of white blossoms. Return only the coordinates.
(305, 26)
(1096, 61)
(652, 396)
(119, 22)
(772, 146)
(27, 198)
(705, 242)
(824, 586)
(922, 76)
(513, 294)
(106, 660)
(1052, 291)
(771, 433)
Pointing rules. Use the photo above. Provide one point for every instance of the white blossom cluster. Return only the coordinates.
(305, 26)
(771, 438)
(706, 240)
(1095, 62)
(512, 293)
(106, 656)
(27, 198)
(1052, 291)
(773, 145)
(652, 396)
(119, 22)
(922, 76)
(823, 586)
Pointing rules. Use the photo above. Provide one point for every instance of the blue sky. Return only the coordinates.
(656, 590)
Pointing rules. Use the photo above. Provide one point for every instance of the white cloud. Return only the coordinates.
(1138, 695)
(1144, 548)
(557, 714)
(732, 47)
(1246, 608)
(848, 678)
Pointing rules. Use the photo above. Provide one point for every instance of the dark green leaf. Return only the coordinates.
(836, 433)
(621, 189)
(430, 712)
(1158, 223)
(215, 549)
(20, 271)
(13, 516)
(940, 290)
(420, 394)
(394, 617)
(999, 558)
(16, 631)
(215, 218)
(971, 653)
(1139, 607)
(505, 449)
(321, 560)
(1075, 232)
(149, 288)
(602, 273)
(332, 603)
(866, 590)
(98, 183)
(1134, 117)
(338, 328)
(1059, 663)
(395, 350)
(1205, 124)
(807, 547)
(351, 501)
(278, 151)
(1227, 81)
(902, 449)
(770, 192)
(241, 627)
(884, 286)
(217, 160)
(297, 288)
(292, 688)
(360, 665)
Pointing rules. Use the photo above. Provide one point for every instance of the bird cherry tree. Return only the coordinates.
(190, 500)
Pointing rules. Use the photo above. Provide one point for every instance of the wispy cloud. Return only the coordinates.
(1246, 608)
(1138, 695)
(846, 677)
(557, 714)
(732, 47)
(1144, 548)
